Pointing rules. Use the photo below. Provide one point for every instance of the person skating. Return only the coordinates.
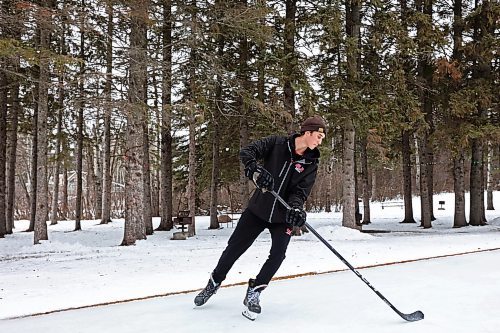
(287, 165)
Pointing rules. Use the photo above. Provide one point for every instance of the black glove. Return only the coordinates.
(264, 180)
(296, 217)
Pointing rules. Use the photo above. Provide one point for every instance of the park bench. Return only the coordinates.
(227, 217)
(393, 204)
(182, 219)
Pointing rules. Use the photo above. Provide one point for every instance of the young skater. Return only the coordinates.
(287, 165)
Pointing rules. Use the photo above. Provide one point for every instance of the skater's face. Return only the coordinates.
(313, 139)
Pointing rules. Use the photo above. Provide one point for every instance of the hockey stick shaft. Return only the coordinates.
(417, 315)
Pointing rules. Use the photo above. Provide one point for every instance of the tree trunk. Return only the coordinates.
(191, 106)
(214, 185)
(425, 213)
(367, 192)
(15, 110)
(417, 164)
(459, 189)
(55, 197)
(407, 193)
(3, 152)
(243, 105)
(215, 177)
(11, 153)
(489, 178)
(44, 20)
(353, 23)
(476, 204)
(148, 220)
(459, 219)
(166, 128)
(106, 168)
(80, 125)
(192, 170)
(34, 153)
(348, 183)
(428, 108)
(430, 176)
(244, 184)
(136, 117)
(98, 176)
(65, 206)
(290, 61)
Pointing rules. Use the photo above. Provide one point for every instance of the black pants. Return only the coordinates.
(247, 230)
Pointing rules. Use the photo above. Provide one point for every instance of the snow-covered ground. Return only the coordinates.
(74, 269)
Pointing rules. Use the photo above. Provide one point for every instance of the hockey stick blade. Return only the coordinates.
(414, 316)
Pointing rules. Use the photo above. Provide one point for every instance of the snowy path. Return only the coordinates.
(457, 294)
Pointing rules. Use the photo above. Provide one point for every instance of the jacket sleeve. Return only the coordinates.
(300, 192)
(257, 150)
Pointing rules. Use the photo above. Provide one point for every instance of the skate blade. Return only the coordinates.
(249, 314)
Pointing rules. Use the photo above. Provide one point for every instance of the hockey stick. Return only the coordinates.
(414, 316)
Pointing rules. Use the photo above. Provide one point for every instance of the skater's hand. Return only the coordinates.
(263, 180)
(296, 217)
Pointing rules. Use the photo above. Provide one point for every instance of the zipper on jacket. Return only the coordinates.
(279, 190)
(282, 169)
(283, 180)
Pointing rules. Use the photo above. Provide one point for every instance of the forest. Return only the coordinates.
(138, 108)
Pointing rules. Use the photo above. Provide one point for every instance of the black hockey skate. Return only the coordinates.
(206, 293)
(251, 300)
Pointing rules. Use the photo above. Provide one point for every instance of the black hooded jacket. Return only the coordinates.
(294, 175)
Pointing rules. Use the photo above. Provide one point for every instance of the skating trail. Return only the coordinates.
(457, 294)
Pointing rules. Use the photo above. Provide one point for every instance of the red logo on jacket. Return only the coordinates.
(298, 167)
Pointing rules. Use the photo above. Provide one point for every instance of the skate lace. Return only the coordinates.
(210, 289)
(253, 297)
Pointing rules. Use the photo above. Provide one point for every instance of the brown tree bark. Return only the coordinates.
(34, 152)
(407, 188)
(148, 219)
(44, 21)
(459, 219)
(489, 178)
(55, 196)
(166, 119)
(216, 135)
(3, 144)
(353, 24)
(108, 110)
(13, 63)
(192, 169)
(348, 182)
(136, 117)
(11, 152)
(289, 61)
(425, 213)
(365, 179)
(79, 123)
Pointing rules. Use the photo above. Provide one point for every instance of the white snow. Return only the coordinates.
(457, 293)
